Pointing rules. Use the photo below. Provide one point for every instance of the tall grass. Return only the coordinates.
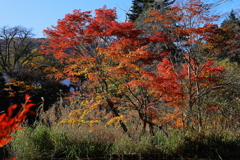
(72, 142)
(60, 142)
(49, 139)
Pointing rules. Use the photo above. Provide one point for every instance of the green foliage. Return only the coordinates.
(71, 142)
(138, 6)
(137, 145)
(32, 143)
(230, 38)
(39, 142)
(169, 145)
(230, 93)
(232, 21)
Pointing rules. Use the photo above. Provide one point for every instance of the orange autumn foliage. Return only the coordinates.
(115, 58)
(183, 82)
(108, 53)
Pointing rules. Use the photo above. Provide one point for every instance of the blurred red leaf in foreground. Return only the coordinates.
(8, 124)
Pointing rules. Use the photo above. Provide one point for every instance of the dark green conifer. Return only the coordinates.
(231, 26)
(161, 5)
(138, 6)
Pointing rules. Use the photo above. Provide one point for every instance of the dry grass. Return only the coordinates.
(50, 139)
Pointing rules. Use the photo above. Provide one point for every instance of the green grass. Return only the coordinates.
(76, 140)
(58, 142)
(71, 142)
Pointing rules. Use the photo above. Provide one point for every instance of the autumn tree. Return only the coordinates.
(114, 58)
(190, 26)
(150, 28)
(110, 55)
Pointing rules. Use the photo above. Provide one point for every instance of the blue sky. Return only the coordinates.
(40, 14)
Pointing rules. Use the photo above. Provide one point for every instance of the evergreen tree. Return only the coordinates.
(141, 6)
(162, 5)
(231, 28)
(138, 6)
(232, 21)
